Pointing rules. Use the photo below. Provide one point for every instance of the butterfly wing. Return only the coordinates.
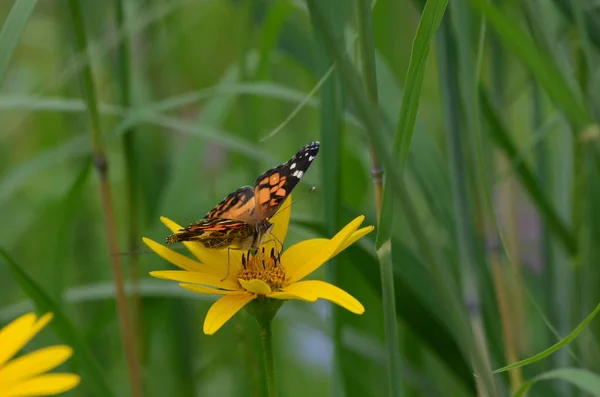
(229, 222)
(237, 205)
(214, 232)
(233, 220)
(272, 187)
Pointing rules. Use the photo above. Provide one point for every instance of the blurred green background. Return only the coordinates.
(495, 233)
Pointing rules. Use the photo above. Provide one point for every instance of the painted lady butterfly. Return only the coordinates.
(242, 218)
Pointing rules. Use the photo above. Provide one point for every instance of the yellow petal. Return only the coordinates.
(176, 258)
(301, 295)
(196, 278)
(209, 256)
(300, 253)
(223, 309)
(321, 289)
(327, 251)
(201, 289)
(281, 220)
(44, 385)
(357, 235)
(35, 363)
(258, 287)
(16, 334)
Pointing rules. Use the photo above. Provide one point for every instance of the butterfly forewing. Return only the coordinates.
(237, 205)
(272, 188)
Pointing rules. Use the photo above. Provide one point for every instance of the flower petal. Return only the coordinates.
(176, 258)
(223, 309)
(324, 290)
(281, 221)
(201, 289)
(357, 235)
(44, 385)
(209, 256)
(300, 253)
(196, 278)
(306, 296)
(327, 251)
(35, 363)
(255, 286)
(16, 334)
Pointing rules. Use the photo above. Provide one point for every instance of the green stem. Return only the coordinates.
(266, 338)
(384, 253)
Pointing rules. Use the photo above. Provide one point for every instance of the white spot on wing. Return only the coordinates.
(311, 158)
(293, 166)
(298, 174)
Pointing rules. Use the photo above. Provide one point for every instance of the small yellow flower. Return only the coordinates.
(263, 275)
(26, 375)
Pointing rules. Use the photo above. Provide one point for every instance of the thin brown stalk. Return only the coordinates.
(101, 165)
(367, 66)
(127, 334)
(506, 315)
(133, 238)
(377, 175)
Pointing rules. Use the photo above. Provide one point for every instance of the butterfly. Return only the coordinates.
(242, 219)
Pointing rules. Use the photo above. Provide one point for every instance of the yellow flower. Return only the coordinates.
(263, 275)
(25, 376)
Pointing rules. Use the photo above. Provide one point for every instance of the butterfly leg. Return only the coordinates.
(228, 265)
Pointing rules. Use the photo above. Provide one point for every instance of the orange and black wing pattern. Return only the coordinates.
(235, 218)
(238, 205)
(230, 221)
(214, 232)
(272, 188)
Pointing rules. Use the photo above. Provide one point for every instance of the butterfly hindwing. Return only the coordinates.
(272, 187)
(214, 232)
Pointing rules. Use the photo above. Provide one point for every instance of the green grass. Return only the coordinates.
(482, 114)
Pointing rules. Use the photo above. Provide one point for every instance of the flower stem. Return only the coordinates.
(264, 310)
(266, 338)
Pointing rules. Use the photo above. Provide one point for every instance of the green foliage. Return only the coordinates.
(483, 116)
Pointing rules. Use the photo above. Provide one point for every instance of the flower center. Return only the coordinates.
(260, 266)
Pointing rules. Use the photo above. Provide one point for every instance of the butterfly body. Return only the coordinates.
(242, 219)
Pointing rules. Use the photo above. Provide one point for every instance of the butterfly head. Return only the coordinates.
(264, 227)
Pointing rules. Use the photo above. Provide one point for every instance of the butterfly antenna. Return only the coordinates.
(302, 196)
(301, 105)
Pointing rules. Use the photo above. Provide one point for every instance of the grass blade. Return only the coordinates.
(566, 340)
(499, 134)
(430, 21)
(540, 64)
(331, 125)
(384, 253)
(473, 281)
(12, 30)
(587, 381)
